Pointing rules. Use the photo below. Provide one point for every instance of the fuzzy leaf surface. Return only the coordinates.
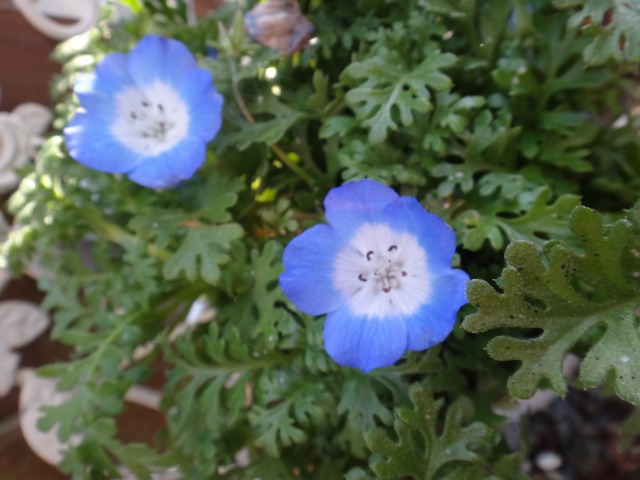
(559, 296)
(615, 25)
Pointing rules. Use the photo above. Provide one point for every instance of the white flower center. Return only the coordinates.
(150, 120)
(382, 273)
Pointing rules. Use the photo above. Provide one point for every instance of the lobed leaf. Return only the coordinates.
(614, 24)
(560, 296)
(421, 451)
(390, 91)
(202, 252)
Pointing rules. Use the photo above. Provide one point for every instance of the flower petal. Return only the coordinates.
(354, 203)
(364, 343)
(90, 142)
(436, 237)
(156, 57)
(171, 166)
(97, 90)
(433, 322)
(206, 115)
(307, 279)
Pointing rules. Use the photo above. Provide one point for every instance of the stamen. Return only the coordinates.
(160, 107)
(392, 267)
(134, 115)
(145, 104)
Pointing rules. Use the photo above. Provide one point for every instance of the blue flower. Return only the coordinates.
(381, 271)
(148, 114)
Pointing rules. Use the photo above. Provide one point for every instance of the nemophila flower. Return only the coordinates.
(147, 114)
(380, 270)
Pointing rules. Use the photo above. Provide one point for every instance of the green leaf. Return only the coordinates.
(540, 221)
(339, 125)
(509, 184)
(558, 297)
(381, 162)
(202, 252)
(288, 408)
(391, 91)
(274, 119)
(421, 450)
(360, 402)
(219, 194)
(618, 40)
(265, 292)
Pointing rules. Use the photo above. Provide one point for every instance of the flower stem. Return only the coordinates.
(246, 113)
(117, 234)
(284, 158)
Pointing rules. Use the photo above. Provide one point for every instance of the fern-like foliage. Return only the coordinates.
(563, 299)
(614, 24)
(423, 452)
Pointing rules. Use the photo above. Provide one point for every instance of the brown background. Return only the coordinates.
(25, 73)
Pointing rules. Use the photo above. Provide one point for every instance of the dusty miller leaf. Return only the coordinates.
(566, 294)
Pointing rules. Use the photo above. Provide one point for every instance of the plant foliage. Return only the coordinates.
(503, 117)
(556, 296)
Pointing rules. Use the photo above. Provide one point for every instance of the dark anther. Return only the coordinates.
(160, 107)
(145, 135)
(369, 253)
(404, 274)
(386, 289)
(134, 115)
(145, 103)
(392, 248)
(362, 278)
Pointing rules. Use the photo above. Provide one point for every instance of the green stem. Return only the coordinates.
(472, 33)
(116, 234)
(305, 154)
(232, 368)
(115, 334)
(246, 113)
(284, 158)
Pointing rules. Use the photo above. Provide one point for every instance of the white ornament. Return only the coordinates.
(36, 393)
(20, 132)
(20, 323)
(45, 15)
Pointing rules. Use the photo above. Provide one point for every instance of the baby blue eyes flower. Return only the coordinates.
(380, 270)
(148, 114)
